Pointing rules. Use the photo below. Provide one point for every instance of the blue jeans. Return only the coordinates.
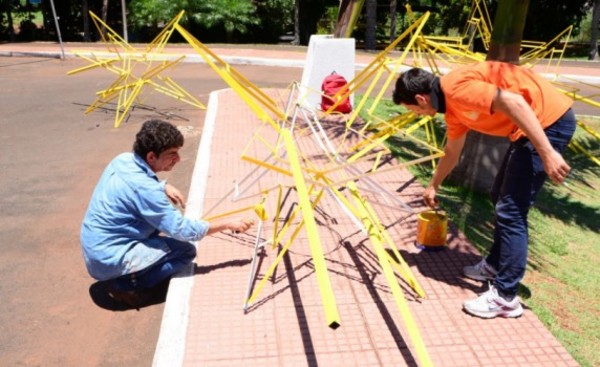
(515, 188)
(181, 254)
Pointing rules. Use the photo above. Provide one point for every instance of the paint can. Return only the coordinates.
(432, 228)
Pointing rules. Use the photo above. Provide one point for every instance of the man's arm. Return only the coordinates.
(237, 226)
(446, 164)
(516, 108)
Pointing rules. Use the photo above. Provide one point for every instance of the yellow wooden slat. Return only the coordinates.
(329, 303)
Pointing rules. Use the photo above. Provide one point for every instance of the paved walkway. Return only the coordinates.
(204, 323)
(286, 326)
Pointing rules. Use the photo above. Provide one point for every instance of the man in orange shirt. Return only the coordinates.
(497, 99)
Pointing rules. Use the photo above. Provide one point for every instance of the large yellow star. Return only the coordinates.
(134, 69)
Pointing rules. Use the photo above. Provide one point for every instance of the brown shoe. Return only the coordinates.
(129, 298)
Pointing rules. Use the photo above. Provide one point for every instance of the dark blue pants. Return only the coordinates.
(181, 254)
(515, 188)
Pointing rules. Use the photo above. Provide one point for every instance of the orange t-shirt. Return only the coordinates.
(469, 92)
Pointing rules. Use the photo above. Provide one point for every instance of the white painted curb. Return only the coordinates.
(170, 348)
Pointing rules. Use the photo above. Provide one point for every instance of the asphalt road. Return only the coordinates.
(51, 157)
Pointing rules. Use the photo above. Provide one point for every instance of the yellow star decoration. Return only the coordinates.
(134, 69)
(319, 164)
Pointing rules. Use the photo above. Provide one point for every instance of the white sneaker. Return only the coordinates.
(490, 305)
(481, 271)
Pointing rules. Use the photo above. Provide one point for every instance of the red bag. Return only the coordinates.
(331, 85)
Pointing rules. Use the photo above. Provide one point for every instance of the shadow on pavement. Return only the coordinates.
(153, 296)
(205, 269)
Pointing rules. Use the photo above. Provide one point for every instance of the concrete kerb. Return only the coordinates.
(263, 61)
(234, 60)
(170, 347)
(52, 55)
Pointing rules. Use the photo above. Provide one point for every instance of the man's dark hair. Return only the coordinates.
(156, 136)
(410, 83)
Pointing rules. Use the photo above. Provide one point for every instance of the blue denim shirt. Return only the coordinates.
(128, 209)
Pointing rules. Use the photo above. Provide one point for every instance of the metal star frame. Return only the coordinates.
(135, 69)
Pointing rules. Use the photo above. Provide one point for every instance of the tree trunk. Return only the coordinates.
(45, 18)
(124, 19)
(371, 33)
(595, 30)
(296, 40)
(347, 17)
(309, 14)
(104, 15)
(9, 19)
(507, 31)
(86, 21)
(483, 154)
(343, 18)
(393, 16)
(480, 161)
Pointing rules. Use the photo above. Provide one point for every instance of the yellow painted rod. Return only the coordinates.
(329, 303)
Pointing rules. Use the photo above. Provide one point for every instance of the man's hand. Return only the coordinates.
(555, 166)
(429, 197)
(175, 196)
(236, 226)
(240, 226)
(452, 152)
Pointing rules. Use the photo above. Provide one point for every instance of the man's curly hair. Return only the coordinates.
(410, 83)
(156, 136)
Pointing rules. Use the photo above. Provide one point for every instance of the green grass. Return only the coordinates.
(562, 283)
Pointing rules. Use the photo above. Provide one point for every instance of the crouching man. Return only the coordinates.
(132, 234)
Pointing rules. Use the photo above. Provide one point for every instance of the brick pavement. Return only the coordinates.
(286, 326)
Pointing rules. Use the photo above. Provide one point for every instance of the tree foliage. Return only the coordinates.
(276, 19)
(545, 18)
(266, 20)
(231, 15)
(152, 13)
(450, 15)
